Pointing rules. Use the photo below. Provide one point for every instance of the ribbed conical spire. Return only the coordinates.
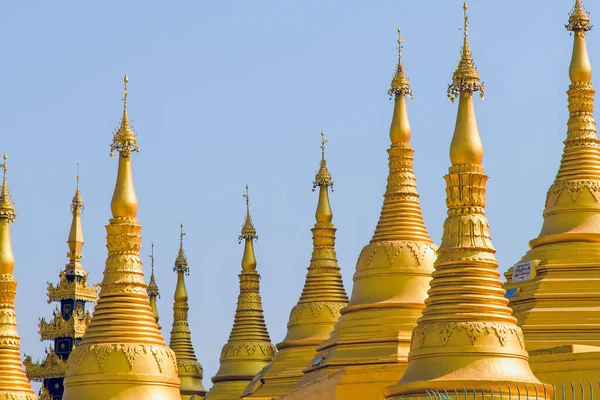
(123, 355)
(153, 291)
(190, 370)
(564, 257)
(467, 337)
(318, 309)
(391, 279)
(13, 383)
(249, 346)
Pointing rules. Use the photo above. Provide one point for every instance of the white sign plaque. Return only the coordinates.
(522, 271)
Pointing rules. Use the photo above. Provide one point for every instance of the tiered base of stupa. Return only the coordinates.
(364, 382)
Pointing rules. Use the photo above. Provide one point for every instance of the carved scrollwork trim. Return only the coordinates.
(475, 330)
(130, 351)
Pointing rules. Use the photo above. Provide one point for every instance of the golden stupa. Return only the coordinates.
(190, 370)
(70, 319)
(560, 274)
(152, 289)
(248, 349)
(14, 385)
(318, 308)
(368, 348)
(123, 355)
(467, 337)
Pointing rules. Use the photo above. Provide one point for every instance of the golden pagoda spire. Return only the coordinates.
(318, 308)
(249, 347)
(153, 292)
(75, 240)
(467, 337)
(372, 336)
(559, 272)
(14, 384)
(70, 318)
(190, 370)
(123, 354)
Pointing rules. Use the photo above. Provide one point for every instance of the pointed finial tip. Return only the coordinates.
(465, 77)
(124, 139)
(248, 230)
(400, 85)
(579, 19)
(7, 209)
(323, 177)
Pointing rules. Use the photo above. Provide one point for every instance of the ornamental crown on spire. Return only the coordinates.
(248, 230)
(181, 264)
(7, 209)
(465, 77)
(77, 202)
(152, 286)
(400, 84)
(124, 139)
(579, 19)
(323, 177)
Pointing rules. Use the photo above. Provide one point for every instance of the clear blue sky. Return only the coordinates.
(225, 93)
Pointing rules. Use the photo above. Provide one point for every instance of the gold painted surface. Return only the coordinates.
(152, 289)
(190, 370)
(77, 289)
(568, 364)
(566, 281)
(391, 279)
(58, 327)
(318, 308)
(14, 385)
(122, 355)
(51, 367)
(248, 349)
(467, 336)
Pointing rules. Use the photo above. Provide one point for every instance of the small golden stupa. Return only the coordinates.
(70, 320)
(318, 309)
(13, 383)
(467, 338)
(368, 348)
(249, 348)
(152, 289)
(190, 370)
(559, 275)
(123, 355)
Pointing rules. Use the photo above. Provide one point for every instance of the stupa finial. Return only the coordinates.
(181, 264)
(124, 202)
(248, 230)
(75, 239)
(152, 286)
(323, 177)
(466, 147)
(7, 208)
(400, 84)
(465, 77)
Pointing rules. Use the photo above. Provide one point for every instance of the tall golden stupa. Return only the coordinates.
(71, 319)
(368, 347)
(560, 275)
(318, 309)
(189, 369)
(248, 349)
(422, 322)
(14, 385)
(152, 289)
(467, 337)
(123, 355)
